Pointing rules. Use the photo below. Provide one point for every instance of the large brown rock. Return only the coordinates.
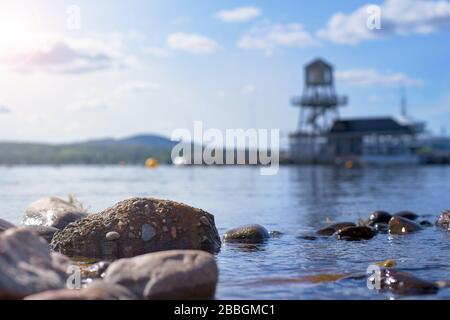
(98, 290)
(27, 266)
(176, 274)
(399, 225)
(138, 226)
(5, 225)
(52, 212)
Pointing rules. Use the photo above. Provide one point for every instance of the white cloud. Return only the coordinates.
(157, 51)
(95, 101)
(60, 54)
(191, 43)
(248, 89)
(139, 87)
(241, 14)
(267, 37)
(398, 17)
(371, 77)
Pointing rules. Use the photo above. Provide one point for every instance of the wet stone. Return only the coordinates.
(381, 227)
(426, 223)
(333, 228)
(253, 233)
(379, 217)
(407, 215)
(399, 225)
(444, 220)
(403, 283)
(355, 233)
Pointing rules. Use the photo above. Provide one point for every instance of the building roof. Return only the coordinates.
(370, 125)
(318, 62)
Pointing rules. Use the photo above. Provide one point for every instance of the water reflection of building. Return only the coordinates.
(322, 137)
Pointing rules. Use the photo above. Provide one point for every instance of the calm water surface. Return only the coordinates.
(296, 200)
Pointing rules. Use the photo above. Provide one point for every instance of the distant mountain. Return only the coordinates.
(149, 140)
(132, 150)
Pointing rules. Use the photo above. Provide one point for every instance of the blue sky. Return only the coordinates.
(154, 66)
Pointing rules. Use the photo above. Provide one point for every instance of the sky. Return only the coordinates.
(77, 70)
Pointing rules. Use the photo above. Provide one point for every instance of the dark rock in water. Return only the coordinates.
(407, 214)
(426, 223)
(379, 217)
(52, 212)
(138, 226)
(355, 233)
(5, 225)
(45, 232)
(252, 233)
(27, 266)
(332, 228)
(176, 274)
(381, 227)
(444, 220)
(97, 290)
(399, 225)
(275, 233)
(404, 283)
(307, 237)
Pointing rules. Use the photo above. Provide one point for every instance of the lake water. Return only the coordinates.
(296, 200)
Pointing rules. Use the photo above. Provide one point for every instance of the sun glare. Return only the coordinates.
(20, 32)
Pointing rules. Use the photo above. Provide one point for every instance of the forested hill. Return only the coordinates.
(132, 150)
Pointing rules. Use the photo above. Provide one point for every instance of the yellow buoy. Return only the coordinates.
(151, 163)
(349, 164)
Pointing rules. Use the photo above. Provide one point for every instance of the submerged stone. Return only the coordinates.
(399, 225)
(355, 233)
(252, 233)
(407, 215)
(404, 283)
(333, 228)
(381, 227)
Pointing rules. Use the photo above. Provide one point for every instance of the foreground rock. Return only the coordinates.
(404, 283)
(444, 220)
(52, 212)
(5, 225)
(98, 290)
(333, 228)
(27, 266)
(399, 225)
(253, 233)
(177, 274)
(45, 232)
(138, 226)
(355, 233)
